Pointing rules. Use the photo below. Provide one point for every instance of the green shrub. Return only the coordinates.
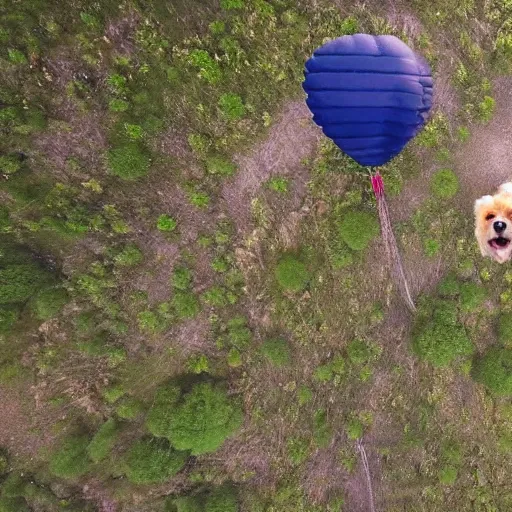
(292, 274)
(217, 296)
(13, 486)
(149, 321)
(358, 352)
(153, 461)
(13, 505)
(188, 504)
(449, 286)
(16, 57)
(166, 223)
(103, 441)
(185, 304)
(118, 105)
(181, 278)
(234, 358)
(276, 351)
(222, 499)
(238, 334)
(472, 296)
(204, 419)
(221, 264)
(305, 395)
(354, 428)
(113, 393)
(322, 432)
(130, 255)
(231, 106)
(9, 164)
(129, 162)
(220, 166)
(133, 131)
(116, 82)
(8, 317)
(209, 70)
(70, 460)
(129, 408)
(198, 364)
(330, 370)
(20, 282)
(505, 329)
(486, 109)
(358, 229)
(298, 450)
(440, 343)
(158, 420)
(279, 184)
(448, 475)
(199, 199)
(444, 184)
(47, 303)
(494, 371)
(232, 4)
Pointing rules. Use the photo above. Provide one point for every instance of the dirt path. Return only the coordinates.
(485, 161)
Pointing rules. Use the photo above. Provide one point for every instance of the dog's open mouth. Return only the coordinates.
(499, 243)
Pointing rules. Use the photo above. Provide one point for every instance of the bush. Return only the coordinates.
(276, 351)
(118, 105)
(440, 343)
(448, 475)
(181, 278)
(354, 429)
(279, 184)
(166, 223)
(486, 109)
(505, 329)
(358, 229)
(220, 166)
(204, 419)
(222, 499)
(70, 460)
(47, 303)
(304, 395)
(103, 441)
(130, 255)
(199, 199)
(494, 371)
(20, 282)
(129, 408)
(16, 57)
(209, 70)
(153, 461)
(188, 504)
(231, 106)
(113, 393)
(13, 505)
(449, 286)
(358, 352)
(444, 184)
(9, 164)
(298, 450)
(472, 296)
(158, 420)
(8, 317)
(185, 305)
(292, 274)
(217, 296)
(129, 162)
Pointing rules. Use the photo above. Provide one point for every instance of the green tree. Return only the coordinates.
(70, 459)
(20, 282)
(104, 440)
(358, 229)
(158, 420)
(494, 370)
(153, 461)
(204, 419)
(292, 274)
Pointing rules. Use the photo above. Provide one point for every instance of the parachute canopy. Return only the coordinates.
(369, 94)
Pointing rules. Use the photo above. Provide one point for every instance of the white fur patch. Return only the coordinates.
(483, 201)
(506, 188)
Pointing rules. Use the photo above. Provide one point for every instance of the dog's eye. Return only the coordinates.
(490, 216)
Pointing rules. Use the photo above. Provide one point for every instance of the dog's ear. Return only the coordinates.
(482, 202)
(506, 188)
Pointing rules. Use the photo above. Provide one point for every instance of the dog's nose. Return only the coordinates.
(499, 226)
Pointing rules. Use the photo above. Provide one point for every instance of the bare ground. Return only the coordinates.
(291, 139)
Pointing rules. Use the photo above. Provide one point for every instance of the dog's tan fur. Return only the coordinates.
(488, 210)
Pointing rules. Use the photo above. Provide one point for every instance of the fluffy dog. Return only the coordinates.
(493, 224)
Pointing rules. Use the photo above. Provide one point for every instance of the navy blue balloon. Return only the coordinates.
(370, 95)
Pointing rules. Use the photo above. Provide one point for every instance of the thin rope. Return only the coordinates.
(366, 467)
(390, 244)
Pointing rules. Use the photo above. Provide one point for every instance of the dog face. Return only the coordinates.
(493, 224)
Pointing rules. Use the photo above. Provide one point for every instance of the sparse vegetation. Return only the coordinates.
(276, 351)
(445, 184)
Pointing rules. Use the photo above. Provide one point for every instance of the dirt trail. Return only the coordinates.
(291, 139)
(485, 161)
